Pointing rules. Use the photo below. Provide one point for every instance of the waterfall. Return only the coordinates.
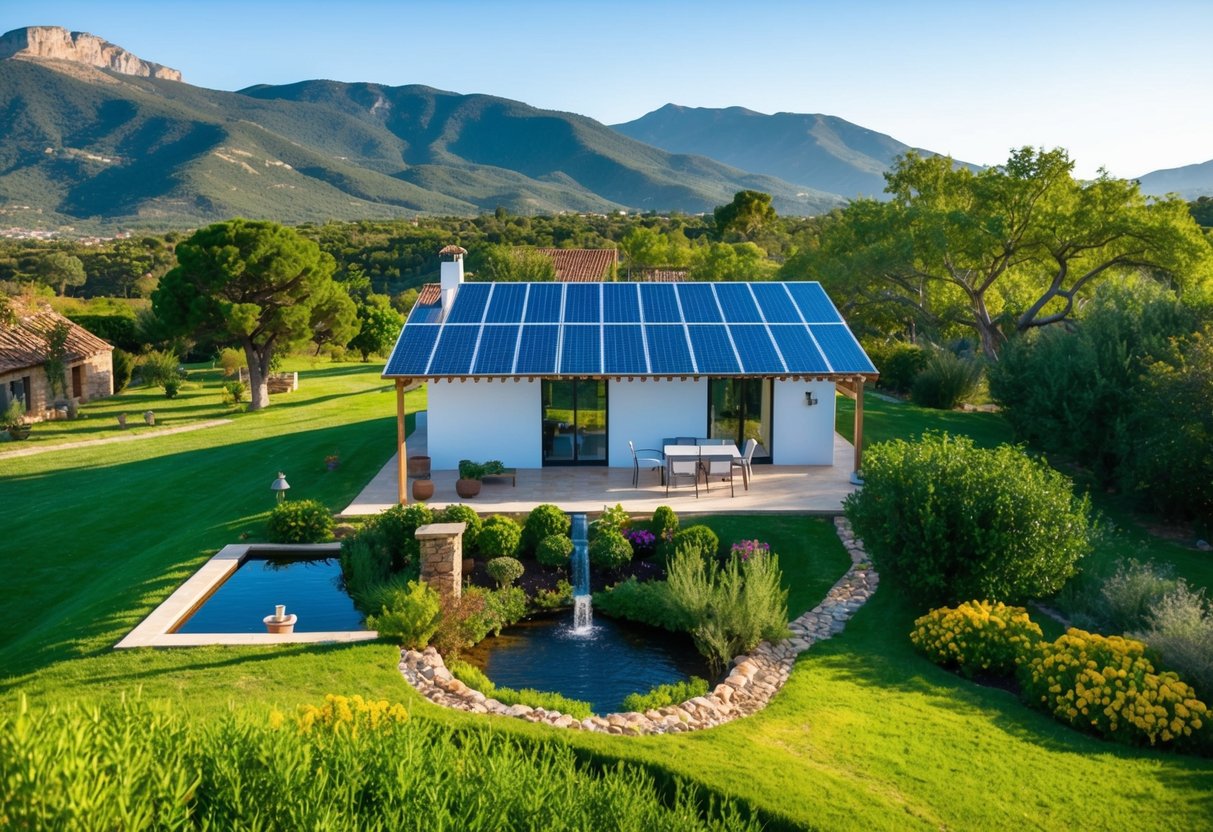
(583, 611)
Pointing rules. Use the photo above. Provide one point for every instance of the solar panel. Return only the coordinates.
(713, 352)
(620, 303)
(581, 303)
(456, 346)
(412, 353)
(425, 314)
(537, 350)
(737, 303)
(668, 350)
(543, 303)
(841, 349)
(469, 303)
(777, 306)
(754, 345)
(698, 303)
(660, 303)
(495, 356)
(580, 350)
(623, 350)
(813, 303)
(800, 354)
(505, 306)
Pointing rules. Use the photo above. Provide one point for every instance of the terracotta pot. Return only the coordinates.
(423, 489)
(467, 488)
(286, 625)
(419, 466)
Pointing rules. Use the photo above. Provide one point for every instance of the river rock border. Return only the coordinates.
(748, 688)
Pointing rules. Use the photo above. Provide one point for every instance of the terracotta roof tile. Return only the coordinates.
(582, 264)
(430, 294)
(24, 345)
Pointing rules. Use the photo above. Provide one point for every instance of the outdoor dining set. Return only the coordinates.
(684, 458)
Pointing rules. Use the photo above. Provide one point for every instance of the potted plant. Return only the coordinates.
(470, 474)
(332, 462)
(423, 489)
(12, 419)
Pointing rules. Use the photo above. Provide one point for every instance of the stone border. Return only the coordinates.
(751, 684)
(156, 629)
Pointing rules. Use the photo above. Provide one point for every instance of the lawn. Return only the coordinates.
(865, 734)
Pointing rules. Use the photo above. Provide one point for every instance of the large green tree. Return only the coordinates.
(1000, 250)
(58, 268)
(251, 282)
(380, 326)
(746, 214)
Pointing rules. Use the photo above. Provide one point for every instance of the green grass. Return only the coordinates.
(866, 734)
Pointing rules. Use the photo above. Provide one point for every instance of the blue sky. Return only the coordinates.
(1119, 84)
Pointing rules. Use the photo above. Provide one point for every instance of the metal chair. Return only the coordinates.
(655, 462)
(746, 462)
(719, 467)
(685, 440)
(681, 466)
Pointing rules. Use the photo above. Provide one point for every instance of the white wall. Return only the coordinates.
(804, 435)
(484, 420)
(649, 411)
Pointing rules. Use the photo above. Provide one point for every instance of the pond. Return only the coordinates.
(601, 666)
(310, 588)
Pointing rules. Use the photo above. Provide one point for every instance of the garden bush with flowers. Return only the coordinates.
(977, 636)
(1108, 685)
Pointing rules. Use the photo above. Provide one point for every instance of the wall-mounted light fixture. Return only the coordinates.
(809, 398)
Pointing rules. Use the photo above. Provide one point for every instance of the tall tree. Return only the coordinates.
(58, 268)
(747, 213)
(380, 326)
(1005, 249)
(255, 283)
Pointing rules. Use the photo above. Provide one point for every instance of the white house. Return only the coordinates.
(544, 374)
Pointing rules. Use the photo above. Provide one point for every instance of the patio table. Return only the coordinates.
(695, 451)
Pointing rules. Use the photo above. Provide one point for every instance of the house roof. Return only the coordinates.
(612, 330)
(430, 294)
(575, 265)
(24, 344)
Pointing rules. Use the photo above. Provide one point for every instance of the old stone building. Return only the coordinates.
(88, 374)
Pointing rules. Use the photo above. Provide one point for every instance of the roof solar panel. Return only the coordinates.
(412, 353)
(580, 349)
(620, 303)
(469, 303)
(737, 303)
(698, 303)
(713, 351)
(495, 355)
(623, 350)
(841, 349)
(800, 354)
(543, 303)
(668, 350)
(428, 314)
(777, 306)
(456, 346)
(758, 354)
(813, 303)
(581, 303)
(505, 306)
(660, 303)
(537, 350)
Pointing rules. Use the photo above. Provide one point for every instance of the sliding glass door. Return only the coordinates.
(740, 409)
(574, 422)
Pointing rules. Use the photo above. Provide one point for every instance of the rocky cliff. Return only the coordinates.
(78, 47)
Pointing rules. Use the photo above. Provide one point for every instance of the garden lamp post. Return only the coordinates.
(280, 487)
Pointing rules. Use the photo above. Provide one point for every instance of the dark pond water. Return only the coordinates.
(601, 667)
(311, 589)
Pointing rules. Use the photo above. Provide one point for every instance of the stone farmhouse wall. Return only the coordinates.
(96, 382)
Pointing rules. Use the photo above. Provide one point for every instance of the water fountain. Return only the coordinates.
(583, 607)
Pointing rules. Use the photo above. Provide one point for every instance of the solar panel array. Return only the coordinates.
(630, 329)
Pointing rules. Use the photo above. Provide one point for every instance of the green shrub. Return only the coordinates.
(899, 363)
(158, 368)
(395, 530)
(1106, 685)
(550, 599)
(124, 367)
(408, 615)
(945, 381)
(232, 361)
(499, 537)
(664, 527)
(504, 570)
(477, 614)
(698, 539)
(458, 513)
(614, 519)
(951, 522)
(363, 567)
(977, 635)
(645, 602)
(610, 550)
(232, 392)
(475, 679)
(505, 606)
(663, 695)
(543, 522)
(1131, 592)
(300, 521)
(1180, 630)
(554, 551)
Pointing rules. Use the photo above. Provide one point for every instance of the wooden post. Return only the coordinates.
(402, 494)
(858, 429)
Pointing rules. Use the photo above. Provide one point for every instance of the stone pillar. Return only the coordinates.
(442, 556)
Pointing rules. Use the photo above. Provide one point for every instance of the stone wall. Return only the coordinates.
(442, 556)
(751, 684)
(97, 382)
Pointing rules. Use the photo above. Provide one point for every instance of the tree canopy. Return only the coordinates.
(254, 283)
(748, 212)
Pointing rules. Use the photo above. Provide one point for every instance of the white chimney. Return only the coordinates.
(451, 274)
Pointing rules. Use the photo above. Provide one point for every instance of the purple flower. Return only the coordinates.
(746, 549)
